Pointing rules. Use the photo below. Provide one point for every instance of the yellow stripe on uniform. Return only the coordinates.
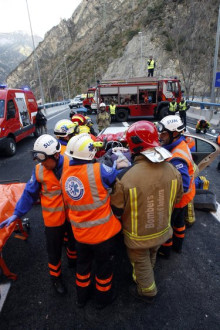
(150, 288)
(134, 210)
(172, 197)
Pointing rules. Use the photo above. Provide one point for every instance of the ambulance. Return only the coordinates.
(18, 109)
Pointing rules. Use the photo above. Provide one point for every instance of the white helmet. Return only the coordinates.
(81, 146)
(171, 124)
(64, 127)
(45, 146)
(102, 105)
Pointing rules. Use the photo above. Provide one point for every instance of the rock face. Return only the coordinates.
(14, 48)
(114, 38)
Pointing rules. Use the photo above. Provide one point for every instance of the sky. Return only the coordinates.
(44, 14)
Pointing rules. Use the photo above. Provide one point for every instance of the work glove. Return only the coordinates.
(8, 221)
(122, 163)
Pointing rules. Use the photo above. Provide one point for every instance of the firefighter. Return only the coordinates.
(112, 109)
(103, 118)
(78, 118)
(183, 107)
(145, 206)
(202, 126)
(45, 183)
(85, 187)
(173, 107)
(64, 130)
(151, 66)
(171, 138)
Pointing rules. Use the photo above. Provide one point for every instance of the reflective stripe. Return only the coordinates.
(179, 229)
(107, 280)
(51, 193)
(83, 277)
(83, 284)
(184, 154)
(103, 288)
(57, 274)
(134, 211)
(150, 288)
(133, 273)
(146, 237)
(88, 207)
(44, 191)
(92, 183)
(172, 197)
(179, 235)
(53, 209)
(90, 223)
(55, 267)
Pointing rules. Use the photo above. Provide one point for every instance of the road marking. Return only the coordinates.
(4, 288)
(57, 114)
(204, 134)
(125, 124)
(217, 213)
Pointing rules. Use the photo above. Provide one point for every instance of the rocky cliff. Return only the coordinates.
(113, 39)
(14, 48)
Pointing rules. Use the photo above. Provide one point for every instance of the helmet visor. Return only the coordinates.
(40, 156)
(161, 128)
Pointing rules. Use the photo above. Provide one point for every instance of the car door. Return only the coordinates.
(206, 151)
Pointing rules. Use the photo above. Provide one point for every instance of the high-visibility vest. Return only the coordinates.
(150, 64)
(182, 106)
(51, 197)
(172, 107)
(63, 149)
(88, 204)
(84, 129)
(182, 151)
(112, 109)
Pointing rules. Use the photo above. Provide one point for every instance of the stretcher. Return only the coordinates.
(10, 194)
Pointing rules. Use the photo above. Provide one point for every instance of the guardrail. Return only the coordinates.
(211, 113)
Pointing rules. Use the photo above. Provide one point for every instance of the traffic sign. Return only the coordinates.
(217, 79)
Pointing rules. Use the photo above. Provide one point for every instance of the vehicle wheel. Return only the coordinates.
(10, 148)
(163, 113)
(121, 115)
(37, 132)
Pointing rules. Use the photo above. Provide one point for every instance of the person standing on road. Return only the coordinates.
(151, 66)
(183, 107)
(145, 206)
(41, 121)
(103, 118)
(44, 184)
(85, 187)
(112, 109)
(173, 107)
(170, 130)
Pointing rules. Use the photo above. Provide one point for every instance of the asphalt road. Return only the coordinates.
(188, 284)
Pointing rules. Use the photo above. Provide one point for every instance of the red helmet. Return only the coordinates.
(80, 119)
(141, 136)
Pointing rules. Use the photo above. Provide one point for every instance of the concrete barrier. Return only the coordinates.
(210, 115)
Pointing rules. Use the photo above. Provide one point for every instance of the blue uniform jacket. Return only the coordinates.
(180, 164)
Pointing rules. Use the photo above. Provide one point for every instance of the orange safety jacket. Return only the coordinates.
(51, 197)
(182, 151)
(88, 204)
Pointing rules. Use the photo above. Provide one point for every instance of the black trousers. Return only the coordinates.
(150, 72)
(102, 256)
(70, 244)
(54, 241)
(178, 225)
(183, 116)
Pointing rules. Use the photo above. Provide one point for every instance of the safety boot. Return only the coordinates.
(134, 292)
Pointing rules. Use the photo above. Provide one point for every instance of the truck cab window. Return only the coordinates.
(2, 107)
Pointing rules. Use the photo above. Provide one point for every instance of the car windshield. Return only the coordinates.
(2, 108)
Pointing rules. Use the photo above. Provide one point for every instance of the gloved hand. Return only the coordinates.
(8, 221)
(122, 162)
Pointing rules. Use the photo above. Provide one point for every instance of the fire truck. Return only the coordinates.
(136, 97)
(89, 99)
(18, 109)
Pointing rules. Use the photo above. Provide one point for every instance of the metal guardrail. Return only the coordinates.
(205, 104)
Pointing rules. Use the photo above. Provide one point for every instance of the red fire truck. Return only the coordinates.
(138, 96)
(89, 99)
(18, 109)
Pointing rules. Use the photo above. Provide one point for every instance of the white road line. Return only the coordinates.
(4, 288)
(204, 134)
(125, 124)
(57, 114)
(217, 213)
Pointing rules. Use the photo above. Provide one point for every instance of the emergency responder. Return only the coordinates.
(171, 138)
(173, 107)
(85, 187)
(64, 130)
(151, 66)
(183, 107)
(78, 118)
(103, 118)
(218, 142)
(41, 121)
(145, 206)
(89, 124)
(202, 126)
(45, 183)
(112, 109)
